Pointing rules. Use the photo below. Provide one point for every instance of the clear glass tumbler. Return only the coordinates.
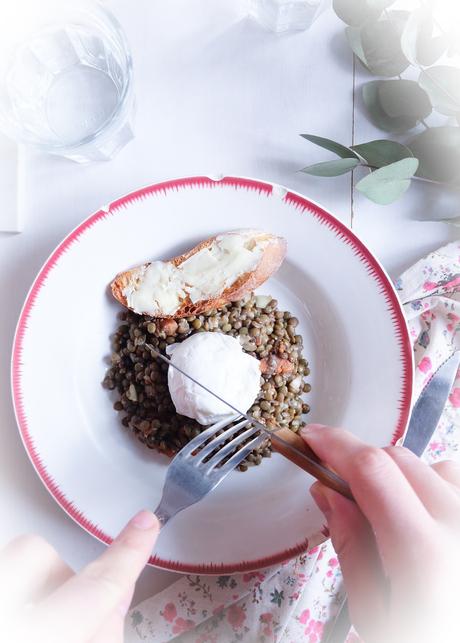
(66, 82)
(285, 15)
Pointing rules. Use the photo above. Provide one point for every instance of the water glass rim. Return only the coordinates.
(124, 102)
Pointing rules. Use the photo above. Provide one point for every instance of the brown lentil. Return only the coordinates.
(140, 381)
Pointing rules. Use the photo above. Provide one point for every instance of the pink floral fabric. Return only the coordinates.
(430, 293)
(279, 603)
(296, 601)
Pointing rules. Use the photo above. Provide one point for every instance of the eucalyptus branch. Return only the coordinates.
(391, 165)
(387, 42)
(419, 178)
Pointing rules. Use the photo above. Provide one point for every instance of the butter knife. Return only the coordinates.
(286, 442)
(425, 416)
(428, 409)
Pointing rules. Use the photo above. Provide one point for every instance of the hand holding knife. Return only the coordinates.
(285, 441)
(425, 416)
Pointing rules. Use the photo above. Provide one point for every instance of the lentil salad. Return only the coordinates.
(139, 380)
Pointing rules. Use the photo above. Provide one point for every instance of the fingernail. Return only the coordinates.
(310, 429)
(320, 498)
(144, 520)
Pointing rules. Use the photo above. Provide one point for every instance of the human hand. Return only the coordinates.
(43, 601)
(399, 545)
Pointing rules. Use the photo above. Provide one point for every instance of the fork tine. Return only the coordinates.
(201, 438)
(218, 440)
(238, 457)
(228, 448)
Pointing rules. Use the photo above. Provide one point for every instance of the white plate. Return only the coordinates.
(355, 340)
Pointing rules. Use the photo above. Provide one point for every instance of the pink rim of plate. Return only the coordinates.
(302, 204)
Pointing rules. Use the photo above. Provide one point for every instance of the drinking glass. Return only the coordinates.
(66, 81)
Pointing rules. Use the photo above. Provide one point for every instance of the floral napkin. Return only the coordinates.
(297, 600)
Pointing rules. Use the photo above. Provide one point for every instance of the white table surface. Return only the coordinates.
(215, 94)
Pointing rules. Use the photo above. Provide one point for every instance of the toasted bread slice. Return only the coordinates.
(217, 271)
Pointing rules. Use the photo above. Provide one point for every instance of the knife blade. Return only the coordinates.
(301, 455)
(428, 409)
(425, 416)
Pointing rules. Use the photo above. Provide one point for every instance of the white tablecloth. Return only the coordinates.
(215, 94)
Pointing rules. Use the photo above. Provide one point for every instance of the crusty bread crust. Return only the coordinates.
(272, 258)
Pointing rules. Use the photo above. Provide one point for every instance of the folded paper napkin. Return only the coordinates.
(10, 211)
(295, 601)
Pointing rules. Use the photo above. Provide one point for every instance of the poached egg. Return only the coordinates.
(219, 362)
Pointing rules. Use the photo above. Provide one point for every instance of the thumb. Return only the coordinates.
(355, 545)
(99, 588)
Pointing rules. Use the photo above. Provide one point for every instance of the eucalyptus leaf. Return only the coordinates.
(438, 150)
(382, 152)
(357, 12)
(353, 35)
(442, 83)
(388, 183)
(380, 5)
(404, 98)
(455, 221)
(373, 103)
(409, 37)
(432, 48)
(454, 42)
(399, 14)
(332, 146)
(418, 43)
(381, 45)
(332, 168)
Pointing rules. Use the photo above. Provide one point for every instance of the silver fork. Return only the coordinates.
(189, 478)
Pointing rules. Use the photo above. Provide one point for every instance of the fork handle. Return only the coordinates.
(311, 464)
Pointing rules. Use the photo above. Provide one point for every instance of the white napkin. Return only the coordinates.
(10, 219)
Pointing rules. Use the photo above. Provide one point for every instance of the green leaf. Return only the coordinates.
(453, 47)
(442, 83)
(355, 12)
(409, 37)
(331, 168)
(455, 221)
(382, 152)
(446, 20)
(332, 146)
(430, 49)
(380, 4)
(353, 35)
(388, 183)
(438, 150)
(381, 45)
(372, 101)
(404, 98)
(418, 43)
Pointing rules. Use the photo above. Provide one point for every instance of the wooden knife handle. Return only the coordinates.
(313, 466)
